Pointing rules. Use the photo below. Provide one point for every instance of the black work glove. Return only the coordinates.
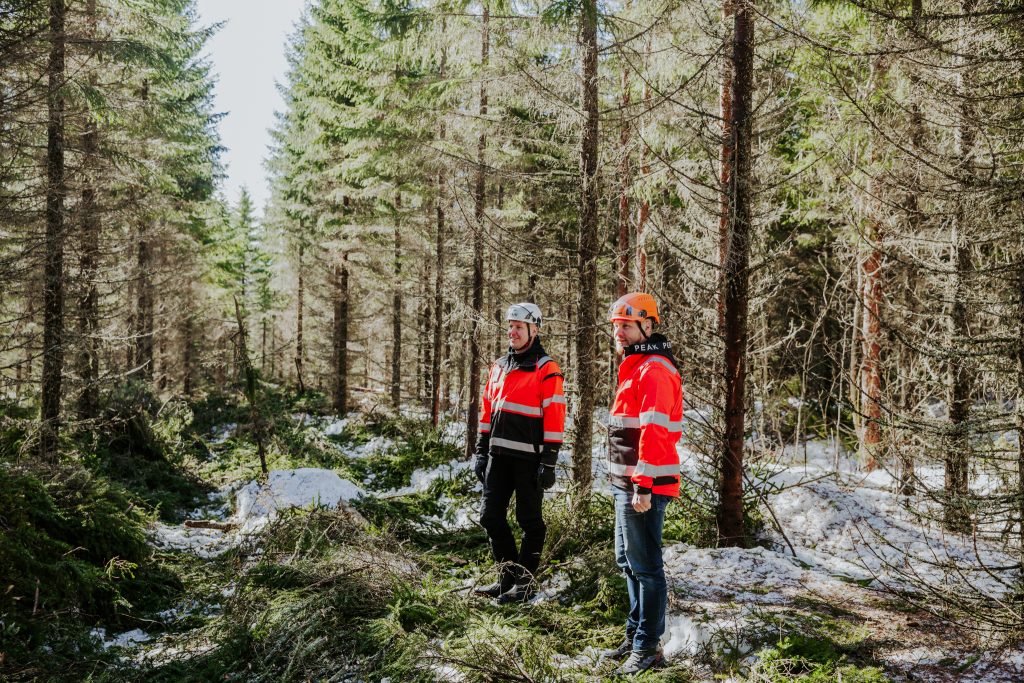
(549, 455)
(545, 476)
(480, 466)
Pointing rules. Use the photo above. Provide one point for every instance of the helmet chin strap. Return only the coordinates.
(529, 342)
(640, 327)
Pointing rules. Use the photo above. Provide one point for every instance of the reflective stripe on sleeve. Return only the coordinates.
(654, 417)
(513, 445)
(621, 470)
(517, 408)
(646, 469)
(623, 421)
(485, 426)
(664, 361)
(554, 436)
(553, 399)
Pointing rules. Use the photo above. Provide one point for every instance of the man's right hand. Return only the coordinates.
(480, 466)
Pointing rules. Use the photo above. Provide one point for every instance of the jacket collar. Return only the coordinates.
(525, 359)
(655, 345)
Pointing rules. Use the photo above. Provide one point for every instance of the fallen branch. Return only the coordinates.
(209, 524)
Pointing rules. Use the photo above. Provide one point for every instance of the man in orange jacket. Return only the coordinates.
(644, 424)
(521, 423)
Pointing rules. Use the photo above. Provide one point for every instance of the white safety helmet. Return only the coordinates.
(524, 312)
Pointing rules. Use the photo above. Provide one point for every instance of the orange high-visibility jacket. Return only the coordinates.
(523, 407)
(646, 421)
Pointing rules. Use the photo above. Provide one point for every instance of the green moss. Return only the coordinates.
(815, 648)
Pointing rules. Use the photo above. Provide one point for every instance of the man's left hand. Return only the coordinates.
(641, 502)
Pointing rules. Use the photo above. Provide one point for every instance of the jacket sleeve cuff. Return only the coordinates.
(643, 490)
(483, 443)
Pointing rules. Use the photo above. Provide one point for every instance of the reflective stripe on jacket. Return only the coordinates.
(644, 425)
(523, 407)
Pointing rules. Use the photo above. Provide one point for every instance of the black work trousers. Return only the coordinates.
(507, 475)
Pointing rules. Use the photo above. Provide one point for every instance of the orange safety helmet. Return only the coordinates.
(634, 306)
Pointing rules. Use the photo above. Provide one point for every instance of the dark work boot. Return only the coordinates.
(641, 660)
(496, 589)
(520, 592)
(624, 648)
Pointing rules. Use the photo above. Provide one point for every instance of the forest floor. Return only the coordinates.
(356, 558)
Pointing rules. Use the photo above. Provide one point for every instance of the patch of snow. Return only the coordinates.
(257, 503)
(689, 635)
(126, 639)
(164, 652)
(552, 588)
(422, 478)
(335, 427)
(375, 446)
(188, 609)
(454, 432)
(204, 543)
(222, 433)
(865, 533)
(590, 658)
(754, 576)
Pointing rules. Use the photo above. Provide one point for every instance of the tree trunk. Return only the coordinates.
(53, 272)
(187, 334)
(88, 298)
(960, 377)
(726, 161)
(871, 288)
(396, 314)
(1020, 407)
(586, 327)
(624, 172)
(251, 386)
(144, 306)
(263, 345)
(143, 330)
(645, 205)
(736, 277)
(428, 319)
(463, 348)
(435, 371)
(341, 335)
(299, 349)
(906, 477)
(871, 350)
(479, 196)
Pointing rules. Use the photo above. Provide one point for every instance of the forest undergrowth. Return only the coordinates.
(380, 591)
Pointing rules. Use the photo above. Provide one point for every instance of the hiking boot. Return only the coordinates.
(624, 648)
(520, 592)
(641, 660)
(495, 589)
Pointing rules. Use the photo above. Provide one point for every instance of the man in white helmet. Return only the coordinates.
(521, 423)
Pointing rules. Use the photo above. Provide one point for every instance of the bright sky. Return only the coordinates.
(248, 59)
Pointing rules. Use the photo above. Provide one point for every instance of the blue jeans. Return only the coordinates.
(638, 555)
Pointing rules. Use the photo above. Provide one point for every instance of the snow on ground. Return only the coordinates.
(256, 504)
(375, 446)
(848, 529)
(140, 647)
(866, 534)
(221, 433)
(422, 478)
(126, 639)
(852, 523)
(328, 425)
(754, 576)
